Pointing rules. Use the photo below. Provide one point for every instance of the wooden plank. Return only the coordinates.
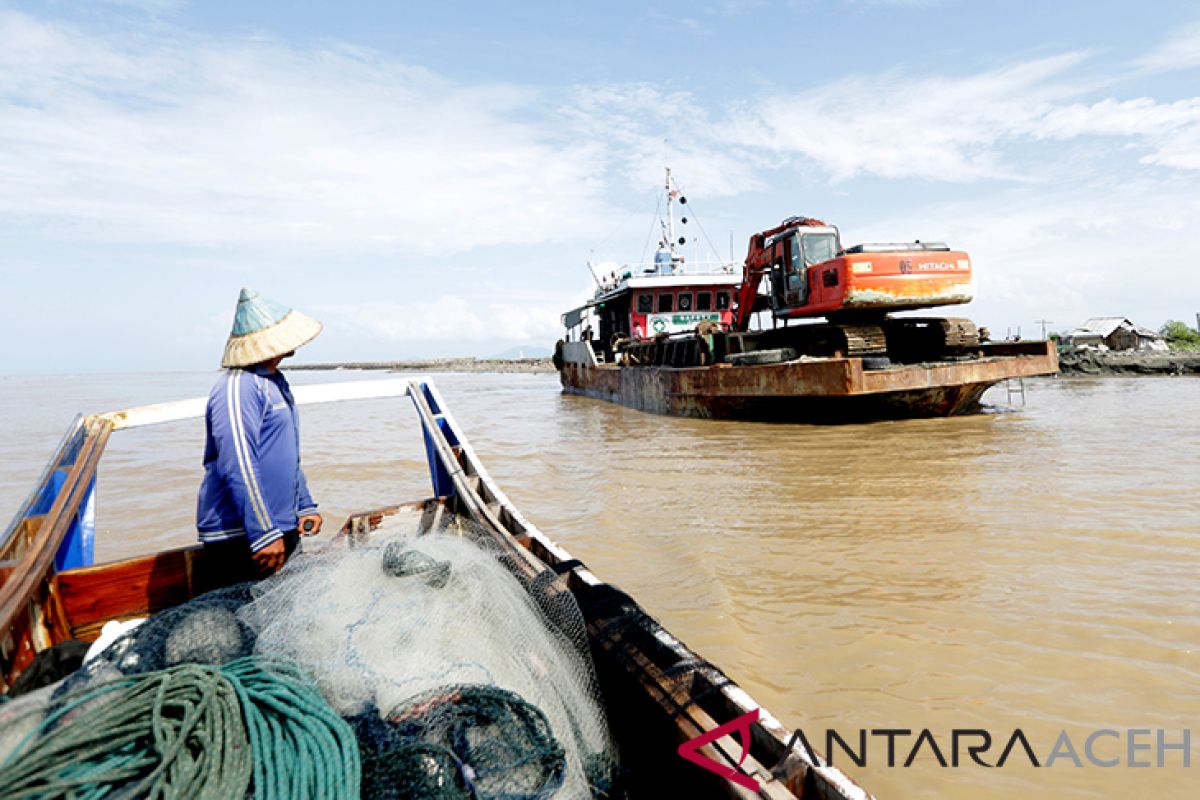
(64, 453)
(673, 695)
(433, 517)
(38, 563)
(19, 650)
(135, 587)
(304, 395)
(30, 527)
(25, 532)
(56, 617)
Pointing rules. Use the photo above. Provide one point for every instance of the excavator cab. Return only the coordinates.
(801, 249)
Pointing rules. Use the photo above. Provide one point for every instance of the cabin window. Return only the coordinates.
(819, 248)
(722, 301)
(645, 303)
(685, 301)
(796, 277)
(666, 303)
(795, 260)
(703, 301)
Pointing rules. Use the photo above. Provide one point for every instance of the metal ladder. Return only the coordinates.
(1015, 388)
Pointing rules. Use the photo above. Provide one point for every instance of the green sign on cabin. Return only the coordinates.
(695, 318)
(682, 321)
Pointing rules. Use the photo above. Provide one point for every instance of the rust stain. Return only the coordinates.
(819, 389)
(882, 292)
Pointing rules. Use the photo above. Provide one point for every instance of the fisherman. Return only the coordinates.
(254, 499)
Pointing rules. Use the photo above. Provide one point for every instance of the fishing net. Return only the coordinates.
(21, 716)
(460, 679)
(253, 725)
(463, 673)
(460, 742)
(205, 630)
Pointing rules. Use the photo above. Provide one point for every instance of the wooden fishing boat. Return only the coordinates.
(658, 693)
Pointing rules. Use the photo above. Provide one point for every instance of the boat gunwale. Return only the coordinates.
(7, 543)
(791, 765)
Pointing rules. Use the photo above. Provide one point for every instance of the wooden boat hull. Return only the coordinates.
(658, 693)
(816, 390)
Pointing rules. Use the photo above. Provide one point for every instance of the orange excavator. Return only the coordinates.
(810, 275)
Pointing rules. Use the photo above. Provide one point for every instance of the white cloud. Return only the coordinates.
(1170, 131)
(736, 8)
(646, 127)
(1071, 253)
(183, 140)
(446, 318)
(150, 6)
(918, 4)
(237, 154)
(674, 24)
(1179, 51)
(962, 129)
(172, 138)
(899, 126)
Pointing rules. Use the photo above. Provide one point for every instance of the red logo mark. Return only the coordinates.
(690, 748)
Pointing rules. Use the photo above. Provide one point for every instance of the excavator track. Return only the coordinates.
(958, 332)
(863, 340)
(911, 339)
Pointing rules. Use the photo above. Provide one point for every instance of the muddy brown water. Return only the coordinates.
(1035, 570)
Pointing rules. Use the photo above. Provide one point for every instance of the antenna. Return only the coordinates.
(670, 216)
(589, 266)
(1044, 323)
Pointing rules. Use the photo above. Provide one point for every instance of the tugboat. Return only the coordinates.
(668, 296)
(675, 338)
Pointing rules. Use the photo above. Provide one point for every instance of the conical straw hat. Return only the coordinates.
(264, 329)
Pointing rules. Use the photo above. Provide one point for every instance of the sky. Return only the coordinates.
(430, 179)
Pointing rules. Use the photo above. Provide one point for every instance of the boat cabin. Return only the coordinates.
(650, 300)
(643, 307)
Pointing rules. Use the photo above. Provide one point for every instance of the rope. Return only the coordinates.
(703, 232)
(653, 225)
(190, 731)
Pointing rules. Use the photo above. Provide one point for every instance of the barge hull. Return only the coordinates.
(818, 390)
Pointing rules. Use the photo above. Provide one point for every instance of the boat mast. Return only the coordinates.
(592, 270)
(670, 217)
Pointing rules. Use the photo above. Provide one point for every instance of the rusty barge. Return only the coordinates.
(813, 390)
(803, 330)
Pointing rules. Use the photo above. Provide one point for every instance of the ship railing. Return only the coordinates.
(643, 268)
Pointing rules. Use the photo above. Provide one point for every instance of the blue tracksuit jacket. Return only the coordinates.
(253, 486)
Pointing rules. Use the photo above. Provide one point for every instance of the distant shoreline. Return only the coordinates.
(1078, 363)
(1090, 362)
(528, 365)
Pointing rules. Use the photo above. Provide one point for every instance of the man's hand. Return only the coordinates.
(310, 525)
(270, 558)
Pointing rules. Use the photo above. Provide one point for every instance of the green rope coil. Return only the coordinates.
(254, 726)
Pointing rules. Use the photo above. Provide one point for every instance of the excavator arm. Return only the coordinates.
(752, 275)
(760, 255)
